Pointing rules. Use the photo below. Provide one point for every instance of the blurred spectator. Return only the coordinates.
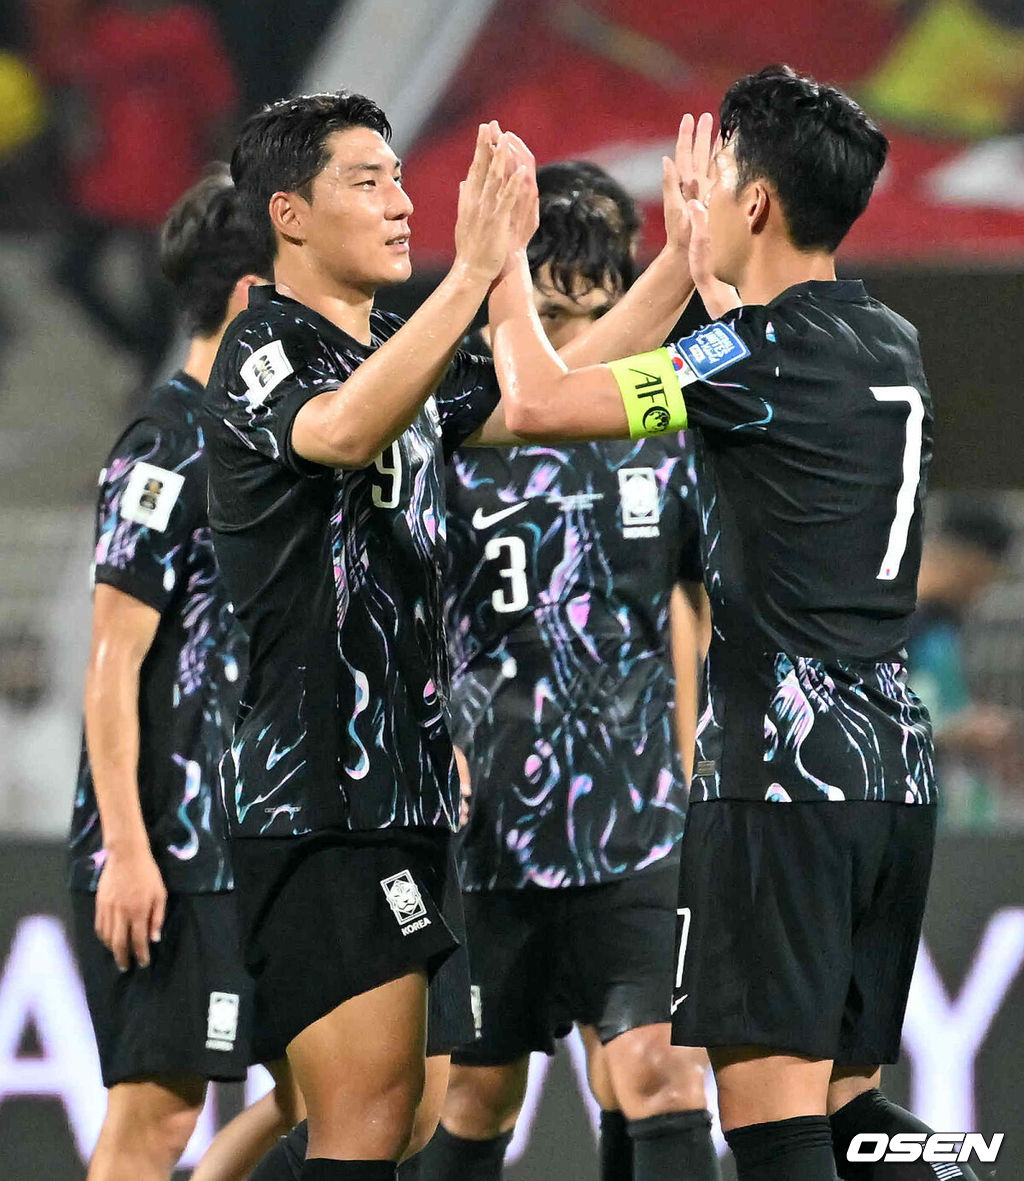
(38, 736)
(148, 96)
(980, 746)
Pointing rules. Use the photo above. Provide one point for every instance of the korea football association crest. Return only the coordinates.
(222, 1021)
(641, 506)
(406, 902)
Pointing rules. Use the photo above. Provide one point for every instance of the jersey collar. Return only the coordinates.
(848, 290)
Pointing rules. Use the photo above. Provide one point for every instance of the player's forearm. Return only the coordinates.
(112, 740)
(541, 397)
(642, 319)
(352, 425)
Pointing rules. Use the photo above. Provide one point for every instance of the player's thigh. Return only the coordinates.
(361, 1070)
(757, 1085)
(431, 1104)
(764, 941)
(598, 1071)
(163, 1106)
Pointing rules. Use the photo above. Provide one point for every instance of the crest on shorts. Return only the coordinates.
(406, 901)
(222, 1021)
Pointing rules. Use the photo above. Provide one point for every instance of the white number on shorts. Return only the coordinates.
(389, 464)
(517, 594)
(907, 495)
(684, 913)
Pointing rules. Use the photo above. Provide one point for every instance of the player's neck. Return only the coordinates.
(346, 305)
(201, 353)
(771, 272)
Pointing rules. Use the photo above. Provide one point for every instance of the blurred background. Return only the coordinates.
(109, 110)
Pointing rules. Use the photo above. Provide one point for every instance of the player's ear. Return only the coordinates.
(287, 215)
(759, 200)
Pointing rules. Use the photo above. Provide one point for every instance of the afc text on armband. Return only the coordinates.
(652, 386)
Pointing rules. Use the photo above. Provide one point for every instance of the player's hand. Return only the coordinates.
(487, 225)
(465, 787)
(526, 215)
(694, 174)
(131, 899)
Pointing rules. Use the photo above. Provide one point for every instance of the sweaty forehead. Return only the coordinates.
(357, 146)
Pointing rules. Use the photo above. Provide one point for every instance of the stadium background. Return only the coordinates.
(107, 110)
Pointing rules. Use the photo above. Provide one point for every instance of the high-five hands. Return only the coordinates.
(493, 200)
(687, 182)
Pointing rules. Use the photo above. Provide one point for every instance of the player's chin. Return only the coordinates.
(396, 270)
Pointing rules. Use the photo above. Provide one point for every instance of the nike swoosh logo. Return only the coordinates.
(482, 520)
(677, 1003)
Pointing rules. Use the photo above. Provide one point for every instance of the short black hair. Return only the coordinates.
(812, 143)
(206, 245)
(588, 227)
(978, 521)
(282, 147)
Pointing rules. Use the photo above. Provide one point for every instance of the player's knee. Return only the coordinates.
(484, 1101)
(653, 1077)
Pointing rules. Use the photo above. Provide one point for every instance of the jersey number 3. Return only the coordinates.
(906, 498)
(516, 595)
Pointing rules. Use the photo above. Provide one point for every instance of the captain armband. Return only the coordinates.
(650, 393)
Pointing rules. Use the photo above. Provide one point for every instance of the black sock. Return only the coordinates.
(321, 1169)
(872, 1112)
(675, 1146)
(450, 1158)
(616, 1147)
(797, 1149)
(284, 1161)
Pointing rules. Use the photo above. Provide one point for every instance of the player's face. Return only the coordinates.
(357, 225)
(727, 222)
(564, 317)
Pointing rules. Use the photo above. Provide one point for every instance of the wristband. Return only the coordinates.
(650, 393)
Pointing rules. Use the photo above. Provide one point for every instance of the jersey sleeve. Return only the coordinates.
(152, 498)
(275, 368)
(466, 398)
(727, 371)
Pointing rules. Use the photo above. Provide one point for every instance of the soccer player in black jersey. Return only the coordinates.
(563, 565)
(155, 927)
(809, 837)
(327, 424)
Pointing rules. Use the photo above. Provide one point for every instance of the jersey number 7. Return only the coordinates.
(906, 498)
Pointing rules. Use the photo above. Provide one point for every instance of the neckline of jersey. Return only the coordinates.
(843, 289)
(187, 382)
(267, 294)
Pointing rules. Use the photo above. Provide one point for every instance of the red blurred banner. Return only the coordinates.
(609, 79)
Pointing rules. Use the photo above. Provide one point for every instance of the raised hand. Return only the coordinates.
(489, 220)
(687, 183)
(527, 211)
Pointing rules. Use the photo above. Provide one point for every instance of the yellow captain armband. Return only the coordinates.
(650, 393)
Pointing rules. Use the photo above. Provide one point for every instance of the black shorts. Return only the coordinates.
(189, 1012)
(542, 959)
(799, 925)
(331, 915)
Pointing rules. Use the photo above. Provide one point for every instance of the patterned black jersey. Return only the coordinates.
(153, 542)
(336, 576)
(563, 561)
(814, 440)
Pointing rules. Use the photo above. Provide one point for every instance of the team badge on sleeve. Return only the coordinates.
(710, 350)
(264, 371)
(149, 496)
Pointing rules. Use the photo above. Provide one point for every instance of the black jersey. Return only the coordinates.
(153, 542)
(563, 561)
(814, 440)
(336, 577)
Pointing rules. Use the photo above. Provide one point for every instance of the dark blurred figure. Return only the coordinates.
(980, 746)
(147, 96)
